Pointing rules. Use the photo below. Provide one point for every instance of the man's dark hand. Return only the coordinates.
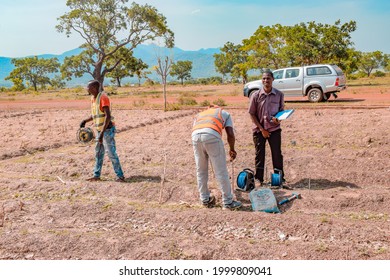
(265, 133)
(82, 124)
(232, 154)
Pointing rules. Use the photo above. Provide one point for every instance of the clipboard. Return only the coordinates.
(282, 115)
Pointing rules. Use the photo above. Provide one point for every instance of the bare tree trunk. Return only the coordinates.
(165, 94)
(162, 70)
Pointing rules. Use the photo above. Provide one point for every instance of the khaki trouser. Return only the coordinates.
(207, 146)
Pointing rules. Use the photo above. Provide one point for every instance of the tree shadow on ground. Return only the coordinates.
(321, 184)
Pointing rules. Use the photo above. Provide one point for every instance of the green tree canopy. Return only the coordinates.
(107, 26)
(32, 70)
(128, 66)
(280, 46)
(232, 60)
(372, 60)
(182, 70)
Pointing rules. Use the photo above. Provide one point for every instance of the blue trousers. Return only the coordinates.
(109, 144)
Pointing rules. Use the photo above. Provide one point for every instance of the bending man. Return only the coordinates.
(207, 143)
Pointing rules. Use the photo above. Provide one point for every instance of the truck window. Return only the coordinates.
(318, 70)
(278, 74)
(292, 73)
(338, 70)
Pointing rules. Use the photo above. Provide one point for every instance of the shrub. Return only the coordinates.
(149, 82)
(379, 74)
(187, 101)
(173, 107)
(219, 102)
(205, 103)
(111, 90)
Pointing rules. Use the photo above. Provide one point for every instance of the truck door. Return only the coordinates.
(278, 80)
(293, 82)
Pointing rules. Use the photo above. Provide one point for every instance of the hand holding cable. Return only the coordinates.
(232, 154)
(82, 124)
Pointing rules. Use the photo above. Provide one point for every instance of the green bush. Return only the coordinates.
(149, 82)
(379, 74)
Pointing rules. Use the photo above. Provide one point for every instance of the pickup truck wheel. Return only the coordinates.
(315, 95)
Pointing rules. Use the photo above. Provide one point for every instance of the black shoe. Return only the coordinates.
(232, 206)
(209, 203)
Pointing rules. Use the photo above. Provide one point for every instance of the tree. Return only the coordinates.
(182, 69)
(372, 60)
(351, 63)
(232, 60)
(107, 26)
(127, 68)
(141, 72)
(33, 70)
(222, 64)
(264, 47)
(280, 46)
(162, 69)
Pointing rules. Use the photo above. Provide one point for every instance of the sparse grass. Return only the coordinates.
(189, 94)
(322, 247)
(369, 216)
(175, 251)
(107, 206)
(139, 103)
(59, 232)
(381, 250)
(325, 219)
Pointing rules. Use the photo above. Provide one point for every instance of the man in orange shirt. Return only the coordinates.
(105, 126)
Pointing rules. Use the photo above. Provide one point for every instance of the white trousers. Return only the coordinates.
(207, 146)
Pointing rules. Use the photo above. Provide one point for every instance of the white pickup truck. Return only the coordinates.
(317, 82)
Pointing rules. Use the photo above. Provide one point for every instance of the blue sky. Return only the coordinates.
(27, 27)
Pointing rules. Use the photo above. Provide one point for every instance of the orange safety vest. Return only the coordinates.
(211, 118)
(97, 114)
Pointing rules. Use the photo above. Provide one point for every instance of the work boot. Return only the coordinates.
(120, 180)
(232, 206)
(210, 202)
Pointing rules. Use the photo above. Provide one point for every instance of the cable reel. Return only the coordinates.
(276, 178)
(85, 135)
(246, 180)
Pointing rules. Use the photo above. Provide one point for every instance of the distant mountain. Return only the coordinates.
(202, 62)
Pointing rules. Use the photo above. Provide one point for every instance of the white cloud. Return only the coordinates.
(197, 11)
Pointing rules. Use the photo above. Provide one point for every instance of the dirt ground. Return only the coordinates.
(336, 155)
